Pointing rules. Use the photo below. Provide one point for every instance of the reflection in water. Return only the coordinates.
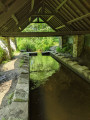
(65, 96)
(42, 67)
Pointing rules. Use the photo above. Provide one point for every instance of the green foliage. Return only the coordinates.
(3, 118)
(42, 67)
(1, 52)
(21, 63)
(10, 97)
(2, 55)
(67, 48)
(58, 49)
(37, 43)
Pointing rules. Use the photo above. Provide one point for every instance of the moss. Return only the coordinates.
(21, 63)
(10, 97)
(3, 118)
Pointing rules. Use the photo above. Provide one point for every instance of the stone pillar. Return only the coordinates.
(9, 48)
(62, 41)
(78, 43)
(13, 43)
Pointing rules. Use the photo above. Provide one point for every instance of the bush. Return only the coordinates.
(1, 54)
(67, 48)
(28, 46)
(58, 49)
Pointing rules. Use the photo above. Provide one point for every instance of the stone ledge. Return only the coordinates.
(13, 118)
(21, 94)
(82, 71)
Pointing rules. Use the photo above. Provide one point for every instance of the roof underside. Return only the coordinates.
(61, 15)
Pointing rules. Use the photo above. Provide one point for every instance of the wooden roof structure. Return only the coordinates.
(68, 16)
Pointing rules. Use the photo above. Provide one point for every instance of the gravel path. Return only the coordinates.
(8, 79)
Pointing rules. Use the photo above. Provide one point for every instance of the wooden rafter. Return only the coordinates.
(48, 23)
(61, 5)
(58, 16)
(50, 18)
(11, 10)
(43, 15)
(27, 16)
(42, 34)
(2, 6)
(15, 19)
(32, 5)
(74, 20)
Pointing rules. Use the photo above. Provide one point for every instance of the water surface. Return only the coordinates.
(63, 96)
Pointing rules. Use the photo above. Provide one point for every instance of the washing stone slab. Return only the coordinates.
(24, 76)
(65, 59)
(61, 57)
(21, 93)
(20, 96)
(71, 63)
(13, 118)
(16, 110)
(23, 80)
(86, 73)
(79, 68)
(24, 87)
(23, 71)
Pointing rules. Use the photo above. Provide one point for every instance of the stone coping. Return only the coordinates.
(21, 94)
(82, 71)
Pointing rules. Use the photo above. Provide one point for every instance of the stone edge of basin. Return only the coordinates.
(82, 71)
(21, 93)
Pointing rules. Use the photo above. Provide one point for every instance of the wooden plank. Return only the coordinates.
(79, 18)
(42, 34)
(48, 23)
(32, 5)
(38, 15)
(11, 10)
(74, 20)
(15, 19)
(57, 14)
(61, 5)
(50, 18)
(2, 6)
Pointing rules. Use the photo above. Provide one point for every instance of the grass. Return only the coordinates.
(21, 63)
(10, 97)
(3, 118)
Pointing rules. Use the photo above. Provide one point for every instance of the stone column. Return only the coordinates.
(9, 48)
(78, 43)
(62, 41)
(13, 43)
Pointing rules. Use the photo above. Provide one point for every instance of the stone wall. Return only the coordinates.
(8, 45)
(87, 44)
(18, 109)
(82, 71)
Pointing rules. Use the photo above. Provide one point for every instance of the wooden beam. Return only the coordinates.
(60, 27)
(50, 18)
(42, 34)
(15, 19)
(25, 18)
(79, 18)
(38, 15)
(61, 5)
(11, 10)
(32, 5)
(2, 6)
(74, 20)
(57, 15)
(48, 23)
